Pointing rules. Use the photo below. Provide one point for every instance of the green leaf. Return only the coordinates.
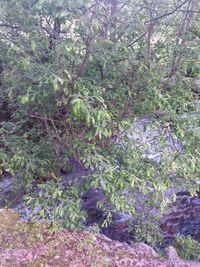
(33, 45)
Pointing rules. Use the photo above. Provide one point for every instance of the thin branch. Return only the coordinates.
(42, 118)
(191, 11)
(155, 20)
(140, 37)
(180, 36)
(169, 13)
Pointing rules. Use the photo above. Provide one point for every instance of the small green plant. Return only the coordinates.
(187, 248)
(148, 231)
(57, 206)
(94, 228)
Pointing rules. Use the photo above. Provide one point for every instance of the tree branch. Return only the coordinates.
(155, 20)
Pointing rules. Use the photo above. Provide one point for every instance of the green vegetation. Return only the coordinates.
(187, 248)
(75, 75)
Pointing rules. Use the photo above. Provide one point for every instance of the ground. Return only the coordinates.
(33, 245)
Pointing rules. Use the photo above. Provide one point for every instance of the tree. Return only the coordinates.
(77, 73)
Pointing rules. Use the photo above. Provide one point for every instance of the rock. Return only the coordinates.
(78, 173)
(8, 219)
(184, 219)
(11, 190)
(144, 247)
(148, 136)
(171, 253)
(34, 245)
(95, 204)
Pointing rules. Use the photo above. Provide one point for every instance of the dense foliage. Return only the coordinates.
(75, 75)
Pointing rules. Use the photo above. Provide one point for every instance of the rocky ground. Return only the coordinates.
(23, 244)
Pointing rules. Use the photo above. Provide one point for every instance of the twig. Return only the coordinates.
(42, 118)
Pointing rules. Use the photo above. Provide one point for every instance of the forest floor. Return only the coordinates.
(33, 245)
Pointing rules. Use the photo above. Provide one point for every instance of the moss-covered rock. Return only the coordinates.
(34, 245)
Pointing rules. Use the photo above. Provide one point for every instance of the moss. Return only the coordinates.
(16, 234)
(34, 245)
